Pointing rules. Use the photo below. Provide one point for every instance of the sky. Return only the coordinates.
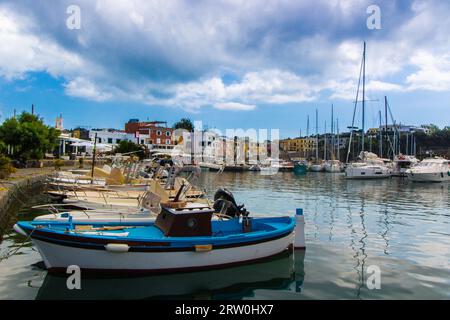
(228, 63)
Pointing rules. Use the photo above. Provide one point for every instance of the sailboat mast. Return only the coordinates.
(307, 138)
(386, 124)
(363, 98)
(325, 143)
(332, 132)
(317, 135)
(381, 138)
(338, 140)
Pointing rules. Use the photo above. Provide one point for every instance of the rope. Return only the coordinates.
(15, 250)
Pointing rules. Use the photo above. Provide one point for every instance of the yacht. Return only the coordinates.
(371, 167)
(402, 163)
(430, 170)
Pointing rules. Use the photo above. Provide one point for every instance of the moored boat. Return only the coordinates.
(317, 167)
(181, 238)
(300, 167)
(430, 170)
(333, 166)
(402, 163)
(370, 167)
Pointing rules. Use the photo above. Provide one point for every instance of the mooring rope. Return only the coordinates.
(15, 250)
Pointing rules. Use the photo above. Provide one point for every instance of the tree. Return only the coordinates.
(28, 136)
(184, 123)
(126, 146)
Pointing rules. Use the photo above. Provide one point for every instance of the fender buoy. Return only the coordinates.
(19, 230)
(117, 247)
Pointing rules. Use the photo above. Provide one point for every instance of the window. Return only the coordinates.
(110, 140)
(158, 141)
(167, 141)
(142, 141)
(99, 140)
(158, 133)
(118, 140)
(168, 133)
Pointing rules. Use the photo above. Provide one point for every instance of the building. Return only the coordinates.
(373, 131)
(111, 136)
(404, 128)
(150, 133)
(298, 144)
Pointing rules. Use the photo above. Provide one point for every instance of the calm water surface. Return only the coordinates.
(401, 227)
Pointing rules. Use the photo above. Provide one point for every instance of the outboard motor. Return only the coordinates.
(225, 203)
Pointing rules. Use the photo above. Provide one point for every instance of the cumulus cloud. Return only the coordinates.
(83, 88)
(433, 72)
(22, 52)
(180, 53)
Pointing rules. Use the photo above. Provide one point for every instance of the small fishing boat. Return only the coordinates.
(184, 239)
(300, 167)
(430, 170)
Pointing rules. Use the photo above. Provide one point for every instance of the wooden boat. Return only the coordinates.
(184, 239)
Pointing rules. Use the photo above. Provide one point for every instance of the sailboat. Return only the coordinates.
(317, 166)
(368, 166)
(333, 165)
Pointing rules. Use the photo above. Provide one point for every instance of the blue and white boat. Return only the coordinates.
(183, 239)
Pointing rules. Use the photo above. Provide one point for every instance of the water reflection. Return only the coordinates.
(284, 272)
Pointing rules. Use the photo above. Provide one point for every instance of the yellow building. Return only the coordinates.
(373, 131)
(298, 145)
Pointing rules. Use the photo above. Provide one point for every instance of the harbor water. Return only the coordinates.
(397, 227)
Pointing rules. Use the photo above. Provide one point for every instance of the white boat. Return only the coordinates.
(402, 163)
(179, 240)
(333, 166)
(211, 166)
(317, 167)
(370, 167)
(430, 170)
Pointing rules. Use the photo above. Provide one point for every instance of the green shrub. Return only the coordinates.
(6, 168)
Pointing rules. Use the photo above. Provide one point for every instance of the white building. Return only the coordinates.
(112, 137)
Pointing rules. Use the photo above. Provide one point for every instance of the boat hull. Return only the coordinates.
(300, 169)
(366, 173)
(317, 168)
(333, 169)
(429, 177)
(58, 257)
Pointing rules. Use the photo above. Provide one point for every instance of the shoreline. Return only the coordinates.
(15, 191)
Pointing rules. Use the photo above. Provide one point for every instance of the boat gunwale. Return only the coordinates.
(156, 244)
